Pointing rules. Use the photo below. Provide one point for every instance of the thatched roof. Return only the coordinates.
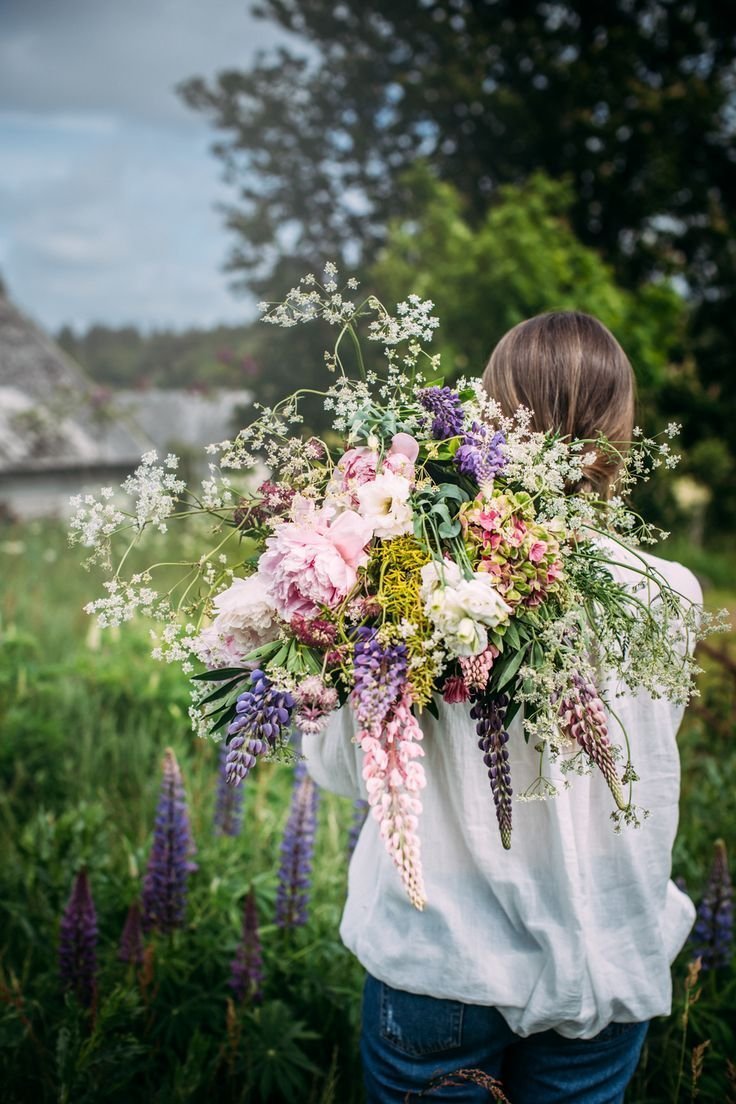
(51, 417)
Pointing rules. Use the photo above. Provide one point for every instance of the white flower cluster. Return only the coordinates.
(125, 597)
(94, 522)
(413, 321)
(310, 300)
(155, 489)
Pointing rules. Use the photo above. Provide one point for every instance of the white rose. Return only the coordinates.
(469, 637)
(384, 502)
(482, 601)
(436, 575)
(462, 609)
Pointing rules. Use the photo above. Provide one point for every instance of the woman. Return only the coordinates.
(542, 965)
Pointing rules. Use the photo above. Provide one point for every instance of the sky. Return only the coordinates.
(107, 185)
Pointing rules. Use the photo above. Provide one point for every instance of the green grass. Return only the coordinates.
(84, 720)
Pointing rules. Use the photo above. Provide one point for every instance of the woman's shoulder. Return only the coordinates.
(635, 568)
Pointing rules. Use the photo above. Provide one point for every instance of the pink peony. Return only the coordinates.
(245, 619)
(400, 458)
(313, 562)
(357, 466)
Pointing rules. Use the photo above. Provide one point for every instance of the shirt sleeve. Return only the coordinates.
(333, 760)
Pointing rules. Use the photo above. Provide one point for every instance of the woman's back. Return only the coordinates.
(576, 925)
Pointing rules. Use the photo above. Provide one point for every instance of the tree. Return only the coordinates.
(629, 100)
(521, 259)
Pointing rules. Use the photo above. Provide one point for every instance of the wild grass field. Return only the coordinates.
(85, 719)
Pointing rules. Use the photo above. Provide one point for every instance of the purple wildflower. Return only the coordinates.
(583, 719)
(380, 675)
(130, 949)
(296, 852)
(228, 803)
(489, 713)
(78, 942)
(246, 968)
(712, 935)
(447, 410)
(165, 883)
(261, 715)
(480, 455)
(360, 812)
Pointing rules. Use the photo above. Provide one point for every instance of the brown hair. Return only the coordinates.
(570, 370)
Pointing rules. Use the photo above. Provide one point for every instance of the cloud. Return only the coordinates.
(123, 58)
(107, 185)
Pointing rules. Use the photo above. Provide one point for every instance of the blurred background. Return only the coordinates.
(163, 168)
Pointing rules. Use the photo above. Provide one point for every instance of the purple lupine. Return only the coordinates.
(297, 847)
(380, 674)
(582, 718)
(481, 455)
(262, 713)
(165, 884)
(246, 968)
(78, 942)
(130, 949)
(488, 713)
(360, 812)
(446, 409)
(228, 817)
(712, 936)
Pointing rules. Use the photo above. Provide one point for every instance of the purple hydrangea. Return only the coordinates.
(480, 455)
(246, 968)
(712, 935)
(130, 949)
(297, 847)
(78, 942)
(228, 817)
(169, 865)
(380, 674)
(446, 409)
(262, 713)
(488, 713)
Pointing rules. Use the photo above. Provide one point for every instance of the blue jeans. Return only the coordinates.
(408, 1040)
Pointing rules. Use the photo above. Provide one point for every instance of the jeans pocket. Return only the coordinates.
(418, 1025)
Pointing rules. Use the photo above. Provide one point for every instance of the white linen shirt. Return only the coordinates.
(572, 928)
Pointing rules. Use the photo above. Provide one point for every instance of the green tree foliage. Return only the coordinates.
(521, 259)
(224, 356)
(631, 100)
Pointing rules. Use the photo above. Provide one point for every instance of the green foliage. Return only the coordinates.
(520, 259)
(83, 723)
(124, 357)
(629, 100)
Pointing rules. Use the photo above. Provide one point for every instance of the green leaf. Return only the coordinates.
(431, 707)
(449, 529)
(510, 669)
(511, 635)
(512, 710)
(451, 490)
(221, 692)
(221, 675)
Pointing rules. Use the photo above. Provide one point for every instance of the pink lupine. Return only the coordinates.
(583, 719)
(393, 780)
(477, 668)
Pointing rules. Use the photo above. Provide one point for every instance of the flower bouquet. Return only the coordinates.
(428, 545)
